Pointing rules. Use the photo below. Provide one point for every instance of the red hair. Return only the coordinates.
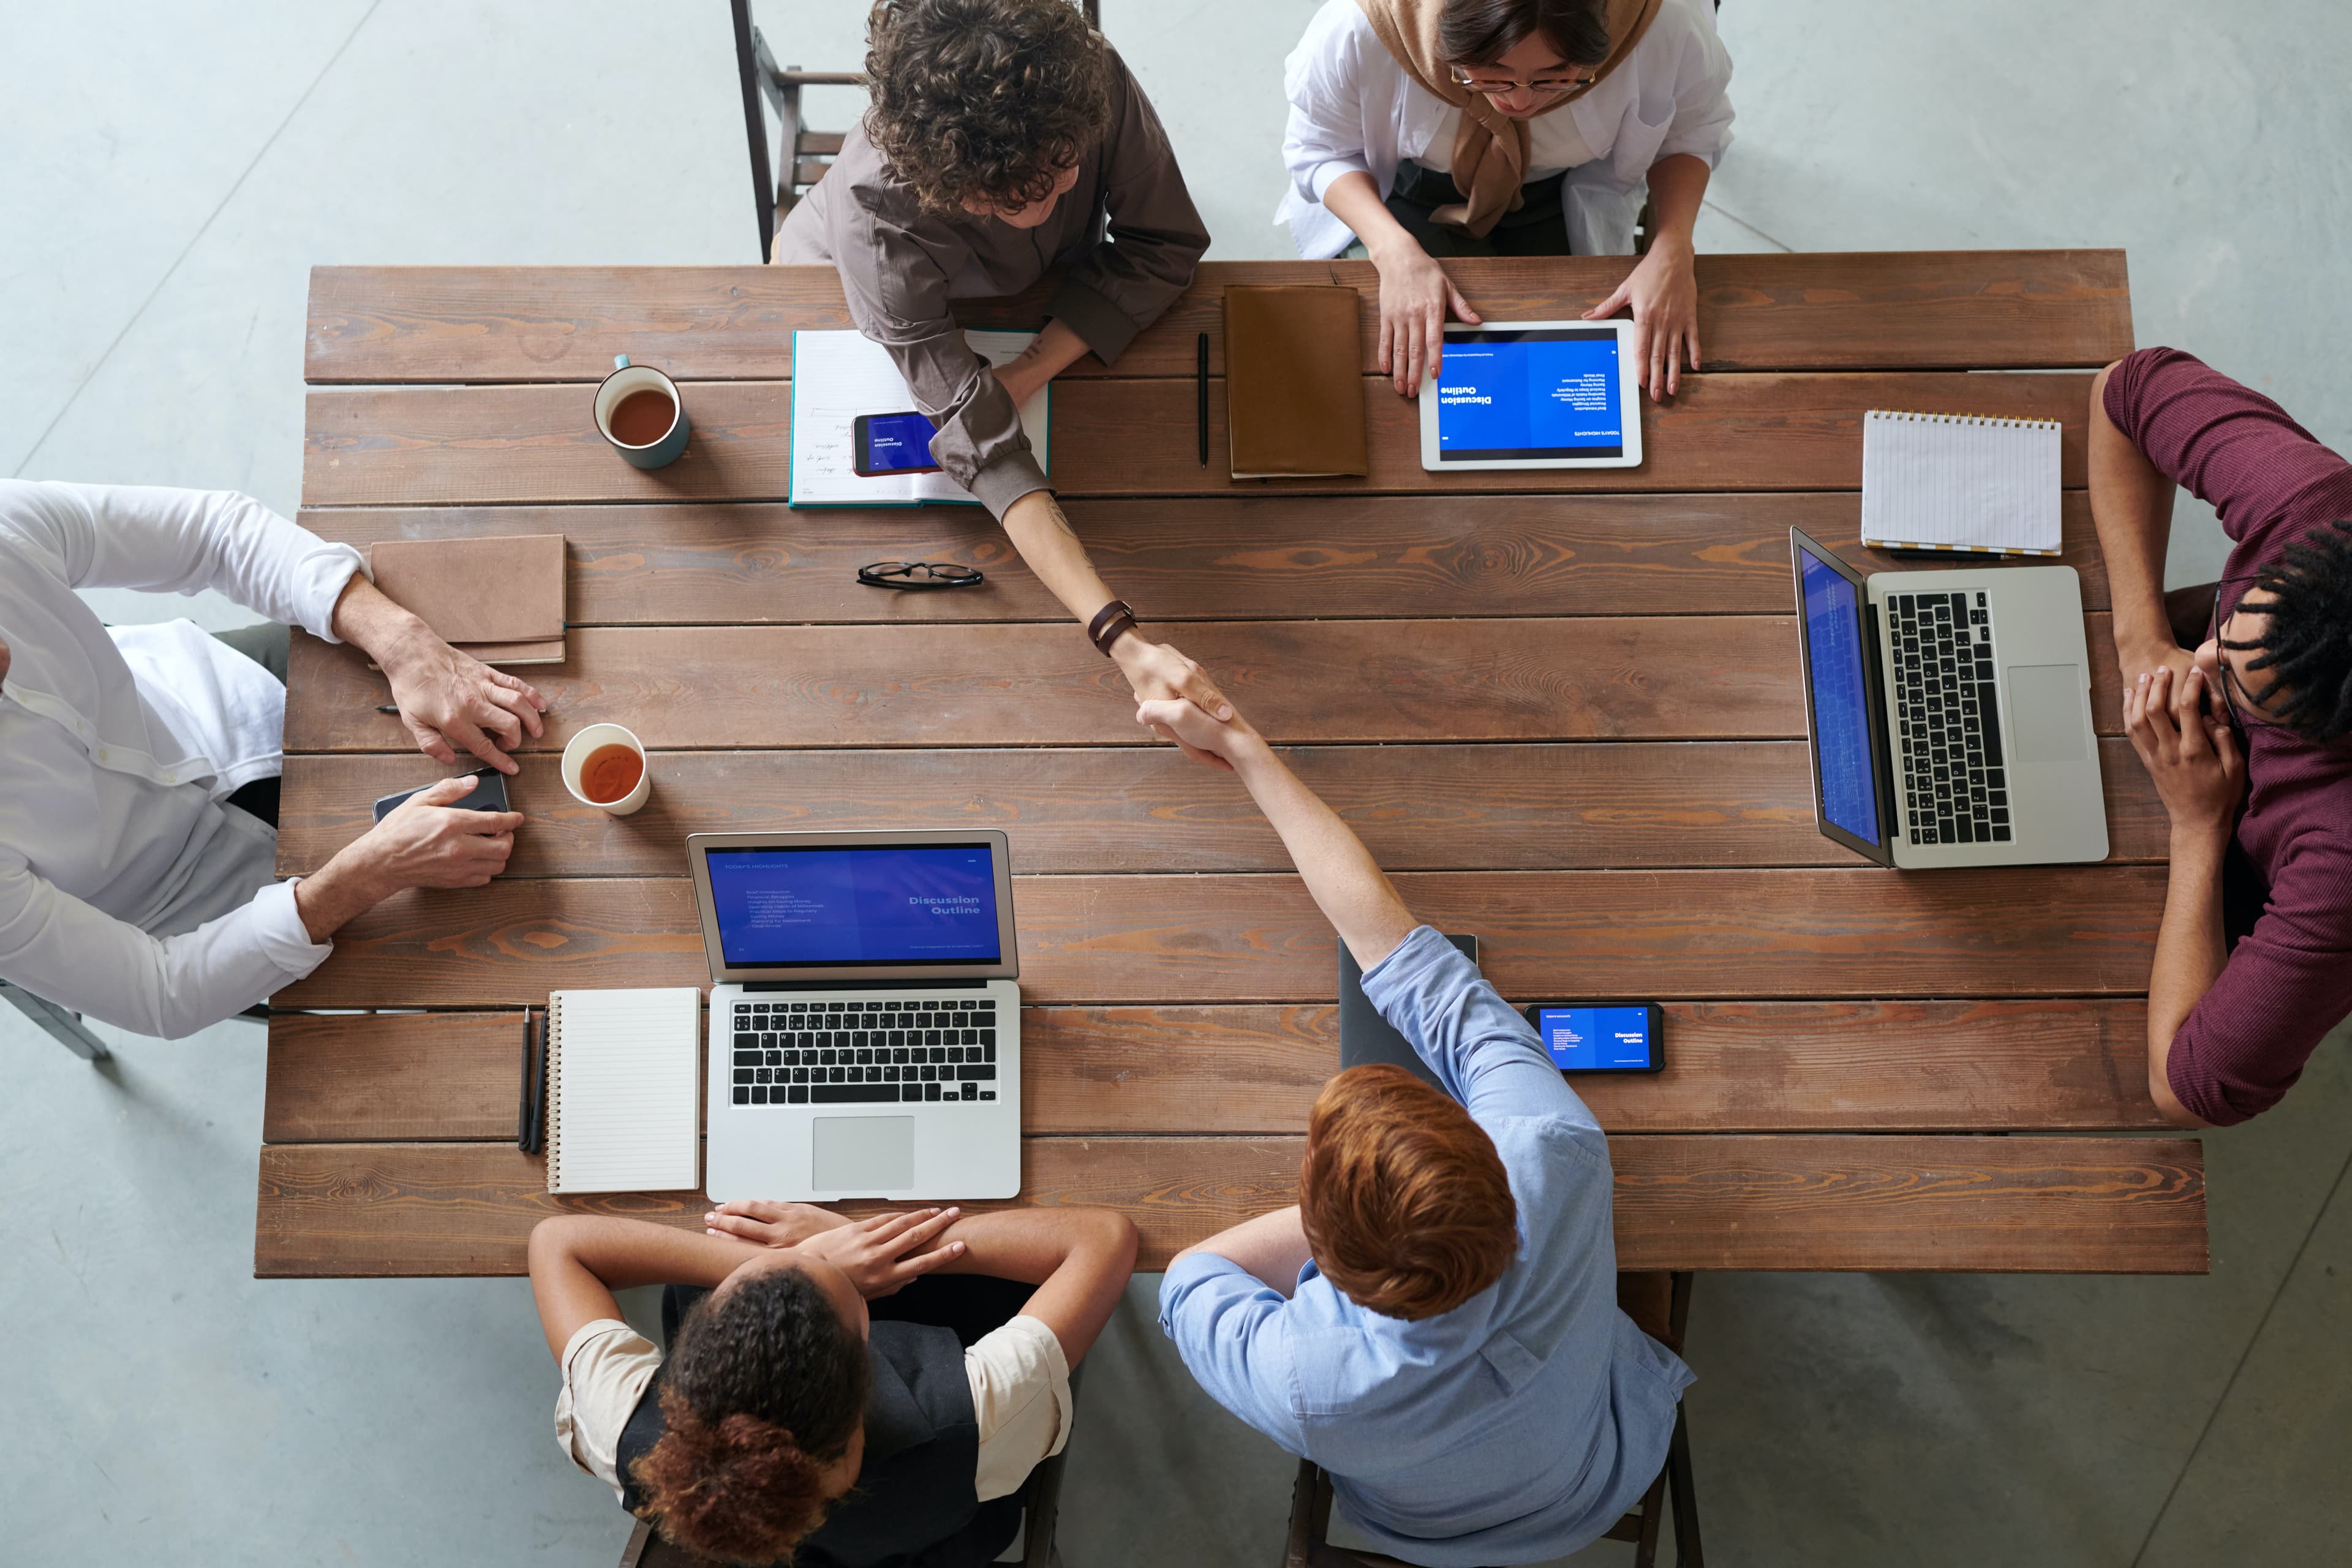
(1402, 1196)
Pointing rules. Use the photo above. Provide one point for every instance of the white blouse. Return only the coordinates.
(1354, 110)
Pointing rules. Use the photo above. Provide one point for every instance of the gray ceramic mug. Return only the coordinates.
(652, 451)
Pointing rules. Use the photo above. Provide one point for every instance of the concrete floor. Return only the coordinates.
(170, 173)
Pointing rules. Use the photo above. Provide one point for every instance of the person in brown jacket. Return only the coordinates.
(1007, 138)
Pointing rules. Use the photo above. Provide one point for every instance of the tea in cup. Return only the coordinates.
(604, 766)
(638, 410)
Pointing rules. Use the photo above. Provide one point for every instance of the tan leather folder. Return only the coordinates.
(1294, 388)
(500, 600)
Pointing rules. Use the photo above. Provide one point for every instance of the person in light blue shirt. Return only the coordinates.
(1436, 1323)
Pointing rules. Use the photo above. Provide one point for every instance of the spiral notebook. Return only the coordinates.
(622, 1080)
(1964, 482)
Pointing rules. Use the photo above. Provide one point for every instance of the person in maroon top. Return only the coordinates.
(2238, 697)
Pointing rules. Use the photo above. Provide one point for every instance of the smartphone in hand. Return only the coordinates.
(488, 793)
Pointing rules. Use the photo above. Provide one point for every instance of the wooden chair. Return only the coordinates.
(1041, 1508)
(1661, 1313)
(801, 155)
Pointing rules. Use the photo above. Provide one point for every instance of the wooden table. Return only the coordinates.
(1562, 707)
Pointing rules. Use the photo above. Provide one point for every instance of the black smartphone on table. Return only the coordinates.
(488, 793)
(892, 444)
(1601, 1036)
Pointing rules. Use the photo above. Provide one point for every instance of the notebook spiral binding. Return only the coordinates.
(553, 1111)
(1993, 421)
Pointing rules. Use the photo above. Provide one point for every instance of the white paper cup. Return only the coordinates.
(588, 741)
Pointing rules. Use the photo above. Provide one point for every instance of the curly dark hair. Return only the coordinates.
(1480, 32)
(2308, 645)
(991, 100)
(764, 1388)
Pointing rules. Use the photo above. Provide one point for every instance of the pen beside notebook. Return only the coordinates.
(531, 1131)
(1201, 408)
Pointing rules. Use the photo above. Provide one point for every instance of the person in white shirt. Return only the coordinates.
(1439, 128)
(135, 885)
(845, 1392)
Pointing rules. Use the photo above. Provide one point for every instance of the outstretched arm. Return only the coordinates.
(577, 1261)
(1051, 549)
(1347, 886)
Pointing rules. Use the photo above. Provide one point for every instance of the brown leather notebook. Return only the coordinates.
(500, 600)
(1294, 386)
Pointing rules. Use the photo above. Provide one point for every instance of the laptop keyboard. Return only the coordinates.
(1948, 719)
(864, 1053)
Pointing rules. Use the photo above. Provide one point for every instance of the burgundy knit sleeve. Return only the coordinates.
(2284, 986)
(2227, 445)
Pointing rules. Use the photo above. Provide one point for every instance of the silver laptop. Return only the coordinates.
(865, 1025)
(1949, 713)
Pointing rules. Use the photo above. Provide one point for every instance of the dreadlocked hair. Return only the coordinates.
(764, 1388)
(2307, 647)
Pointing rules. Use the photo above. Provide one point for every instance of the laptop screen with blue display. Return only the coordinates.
(834, 906)
(1841, 697)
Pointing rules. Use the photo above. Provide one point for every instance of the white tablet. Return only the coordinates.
(1534, 394)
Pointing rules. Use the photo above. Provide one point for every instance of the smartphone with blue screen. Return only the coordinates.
(892, 444)
(1601, 1036)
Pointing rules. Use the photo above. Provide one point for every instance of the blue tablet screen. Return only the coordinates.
(1546, 392)
(930, 903)
(1587, 1038)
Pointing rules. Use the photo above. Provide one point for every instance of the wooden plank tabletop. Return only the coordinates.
(1978, 310)
(1115, 436)
(1561, 706)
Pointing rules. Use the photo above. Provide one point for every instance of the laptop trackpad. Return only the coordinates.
(2045, 712)
(865, 1153)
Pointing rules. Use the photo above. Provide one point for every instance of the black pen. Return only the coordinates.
(387, 707)
(1200, 384)
(522, 1106)
(539, 1091)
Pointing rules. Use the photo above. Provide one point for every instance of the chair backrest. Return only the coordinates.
(801, 155)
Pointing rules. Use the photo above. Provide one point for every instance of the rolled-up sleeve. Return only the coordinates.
(1117, 289)
(1020, 1400)
(2226, 444)
(1228, 1327)
(59, 948)
(606, 1365)
(1703, 113)
(1324, 136)
(1485, 1054)
(897, 293)
(2243, 1045)
(169, 540)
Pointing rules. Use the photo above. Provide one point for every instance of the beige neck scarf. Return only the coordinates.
(1490, 150)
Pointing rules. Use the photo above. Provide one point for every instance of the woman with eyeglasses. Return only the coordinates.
(1429, 129)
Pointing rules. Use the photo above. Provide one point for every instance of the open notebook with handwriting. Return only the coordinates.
(838, 375)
